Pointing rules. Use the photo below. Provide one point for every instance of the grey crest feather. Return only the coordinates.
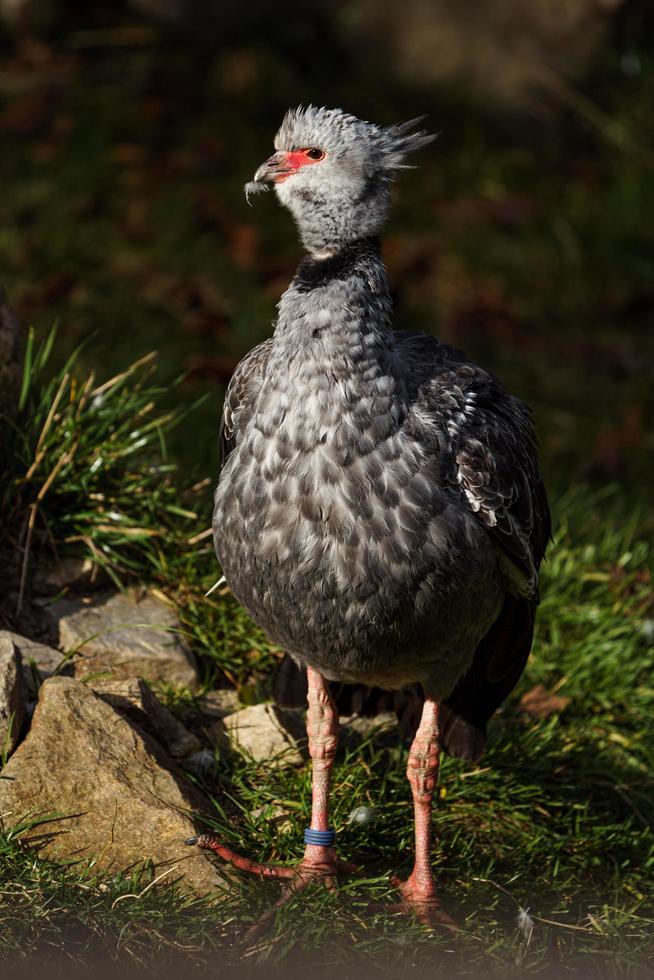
(403, 139)
(338, 130)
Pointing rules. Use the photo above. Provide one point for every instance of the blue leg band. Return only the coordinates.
(324, 838)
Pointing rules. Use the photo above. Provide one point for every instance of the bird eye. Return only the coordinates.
(314, 153)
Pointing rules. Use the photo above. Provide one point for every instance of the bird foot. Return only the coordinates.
(318, 864)
(421, 900)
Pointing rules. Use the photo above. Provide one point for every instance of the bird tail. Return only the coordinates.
(496, 668)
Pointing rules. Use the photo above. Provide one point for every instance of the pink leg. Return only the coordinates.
(419, 890)
(319, 861)
(322, 732)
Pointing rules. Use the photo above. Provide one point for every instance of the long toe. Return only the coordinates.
(262, 870)
(318, 864)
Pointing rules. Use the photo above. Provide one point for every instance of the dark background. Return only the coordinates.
(127, 131)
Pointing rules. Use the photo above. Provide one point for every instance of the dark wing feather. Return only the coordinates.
(240, 396)
(494, 452)
(493, 449)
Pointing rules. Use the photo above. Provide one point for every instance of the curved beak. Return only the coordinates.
(274, 168)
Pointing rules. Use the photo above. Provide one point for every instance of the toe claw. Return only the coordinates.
(191, 841)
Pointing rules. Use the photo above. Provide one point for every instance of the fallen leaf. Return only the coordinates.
(540, 703)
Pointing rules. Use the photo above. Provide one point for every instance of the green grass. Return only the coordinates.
(87, 472)
(77, 473)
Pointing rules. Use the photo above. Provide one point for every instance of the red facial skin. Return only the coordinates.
(295, 160)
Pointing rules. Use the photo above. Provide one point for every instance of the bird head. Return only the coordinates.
(332, 170)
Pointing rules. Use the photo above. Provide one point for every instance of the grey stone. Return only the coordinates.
(132, 697)
(219, 704)
(11, 695)
(39, 662)
(206, 713)
(374, 725)
(107, 791)
(267, 734)
(76, 574)
(123, 634)
(382, 729)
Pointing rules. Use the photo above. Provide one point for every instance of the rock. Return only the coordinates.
(381, 728)
(115, 796)
(39, 662)
(204, 715)
(124, 635)
(77, 574)
(11, 695)
(218, 704)
(132, 697)
(266, 734)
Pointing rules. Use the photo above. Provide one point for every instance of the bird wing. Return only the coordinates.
(240, 396)
(491, 451)
(493, 459)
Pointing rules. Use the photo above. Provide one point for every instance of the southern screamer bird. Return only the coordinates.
(380, 511)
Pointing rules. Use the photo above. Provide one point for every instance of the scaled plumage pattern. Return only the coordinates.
(380, 511)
